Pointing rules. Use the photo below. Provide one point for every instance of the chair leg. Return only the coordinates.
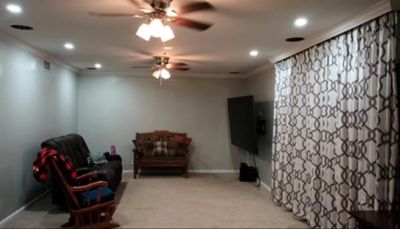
(186, 171)
(135, 171)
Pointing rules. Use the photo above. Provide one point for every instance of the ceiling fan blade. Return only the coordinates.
(136, 3)
(141, 67)
(192, 24)
(141, 5)
(180, 69)
(180, 64)
(197, 6)
(98, 14)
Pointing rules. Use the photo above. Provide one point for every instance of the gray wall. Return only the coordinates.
(262, 87)
(112, 108)
(35, 104)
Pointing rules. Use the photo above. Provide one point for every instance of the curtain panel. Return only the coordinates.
(336, 129)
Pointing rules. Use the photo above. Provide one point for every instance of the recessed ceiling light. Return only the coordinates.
(301, 22)
(14, 8)
(253, 53)
(294, 39)
(97, 66)
(21, 27)
(69, 46)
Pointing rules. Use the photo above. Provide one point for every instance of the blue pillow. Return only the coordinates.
(106, 194)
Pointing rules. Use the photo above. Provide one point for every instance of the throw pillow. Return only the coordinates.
(186, 142)
(173, 145)
(160, 148)
(144, 147)
(148, 149)
(183, 144)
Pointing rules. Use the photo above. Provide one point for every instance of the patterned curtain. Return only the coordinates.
(336, 130)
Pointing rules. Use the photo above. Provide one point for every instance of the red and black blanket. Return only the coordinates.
(40, 165)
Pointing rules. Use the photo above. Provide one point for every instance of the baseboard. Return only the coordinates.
(263, 184)
(213, 171)
(30, 203)
(125, 172)
(198, 171)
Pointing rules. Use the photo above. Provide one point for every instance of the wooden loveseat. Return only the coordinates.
(160, 149)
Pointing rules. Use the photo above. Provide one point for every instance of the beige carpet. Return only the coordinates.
(202, 201)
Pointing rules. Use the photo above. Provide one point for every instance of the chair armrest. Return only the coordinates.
(97, 184)
(86, 176)
(82, 170)
(136, 153)
(114, 157)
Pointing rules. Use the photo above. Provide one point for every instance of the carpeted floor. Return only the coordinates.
(202, 201)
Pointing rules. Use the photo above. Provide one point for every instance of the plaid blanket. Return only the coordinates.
(40, 165)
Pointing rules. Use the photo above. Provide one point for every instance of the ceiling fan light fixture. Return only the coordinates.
(165, 74)
(156, 27)
(157, 74)
(171, 13)
(144, 32)
(167, 34)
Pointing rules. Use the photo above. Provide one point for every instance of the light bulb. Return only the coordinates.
(144, 32)
(156, 74)
(165, 74)
(301, 22)
(13, 8)
(253, 53)
(156, 27)
(69, 46)
(167, 34)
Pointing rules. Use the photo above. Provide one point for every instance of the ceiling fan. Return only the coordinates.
(162, 67)
(157, 13)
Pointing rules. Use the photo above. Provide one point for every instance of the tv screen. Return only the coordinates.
(242, 122)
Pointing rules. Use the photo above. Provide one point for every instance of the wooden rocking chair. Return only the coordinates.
(91, 205)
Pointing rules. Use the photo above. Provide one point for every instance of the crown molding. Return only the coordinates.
(188, 75)
(374, 11)
(258, 70)
(11, 40)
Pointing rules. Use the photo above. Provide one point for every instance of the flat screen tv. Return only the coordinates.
(242, 123)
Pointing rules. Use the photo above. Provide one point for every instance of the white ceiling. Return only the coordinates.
(239, 26)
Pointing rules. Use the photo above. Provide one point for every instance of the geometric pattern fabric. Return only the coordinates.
(336, 128)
